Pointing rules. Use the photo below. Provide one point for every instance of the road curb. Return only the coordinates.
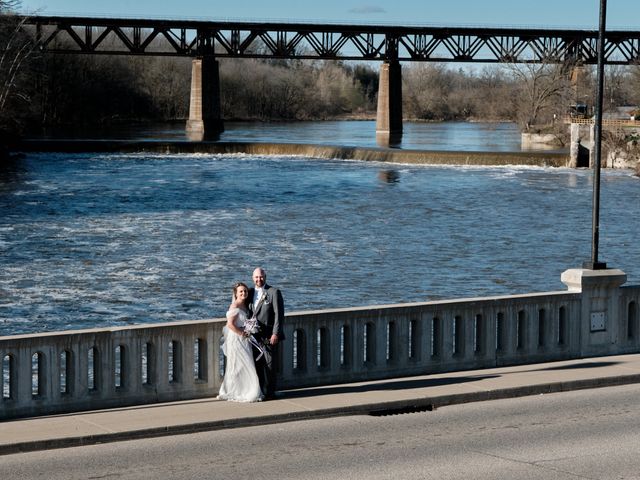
(377, 409)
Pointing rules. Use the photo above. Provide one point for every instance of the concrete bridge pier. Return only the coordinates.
(205, 119)
(389, 116)
(582, 141)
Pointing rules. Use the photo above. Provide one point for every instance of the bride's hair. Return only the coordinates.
(236, 286)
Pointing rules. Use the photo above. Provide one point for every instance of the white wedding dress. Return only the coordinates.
(240, 383)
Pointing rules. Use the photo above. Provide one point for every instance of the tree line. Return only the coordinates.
(93, 89)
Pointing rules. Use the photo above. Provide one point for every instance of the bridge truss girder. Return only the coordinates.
(327, 41)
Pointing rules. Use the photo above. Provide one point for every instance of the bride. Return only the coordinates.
(240, 383)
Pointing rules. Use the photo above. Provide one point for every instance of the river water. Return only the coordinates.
(95, 240)
(481, 136)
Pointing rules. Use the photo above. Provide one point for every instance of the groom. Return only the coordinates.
(267, 305)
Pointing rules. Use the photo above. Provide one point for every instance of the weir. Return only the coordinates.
(394, 155)
(72, 371)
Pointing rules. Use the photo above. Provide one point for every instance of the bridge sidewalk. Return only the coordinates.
(375, 397)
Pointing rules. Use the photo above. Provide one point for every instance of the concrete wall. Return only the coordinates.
(100, 368)
(581, 144)
(540, 140)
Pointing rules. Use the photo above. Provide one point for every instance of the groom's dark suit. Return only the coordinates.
(270, 315)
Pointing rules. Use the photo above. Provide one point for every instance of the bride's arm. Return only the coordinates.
(231, 317)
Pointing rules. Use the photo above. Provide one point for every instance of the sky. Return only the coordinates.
(624, 14)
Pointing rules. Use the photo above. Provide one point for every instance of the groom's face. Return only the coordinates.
(259, 278)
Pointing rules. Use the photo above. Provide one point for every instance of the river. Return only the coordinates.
(96, 240)
(447, 136)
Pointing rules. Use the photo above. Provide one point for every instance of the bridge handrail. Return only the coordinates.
(100, 368)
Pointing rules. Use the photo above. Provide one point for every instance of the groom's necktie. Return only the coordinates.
(256, 299)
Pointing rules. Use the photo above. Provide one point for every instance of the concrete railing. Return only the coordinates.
(100, 368)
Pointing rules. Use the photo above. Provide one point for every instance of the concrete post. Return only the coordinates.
(592, 142)
(599, 314)
(205, 121)
(581, 145)
(389, 115)
(574, 147)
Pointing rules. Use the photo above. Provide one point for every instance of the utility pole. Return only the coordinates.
(594, 263)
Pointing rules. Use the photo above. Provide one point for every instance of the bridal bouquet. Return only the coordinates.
(251, 326)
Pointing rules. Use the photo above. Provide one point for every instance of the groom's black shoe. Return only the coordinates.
(272, 396)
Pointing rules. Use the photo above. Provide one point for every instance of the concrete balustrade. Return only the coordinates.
(346, 345)
(100, 368)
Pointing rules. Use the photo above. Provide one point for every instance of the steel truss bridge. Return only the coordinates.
(191, 38)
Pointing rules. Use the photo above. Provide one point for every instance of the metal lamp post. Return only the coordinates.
(594, 264)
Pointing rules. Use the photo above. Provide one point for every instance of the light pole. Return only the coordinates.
(594, 264)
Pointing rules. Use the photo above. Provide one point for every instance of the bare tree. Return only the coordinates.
(634, 84)
(616, 87)
(426, 91)
(540, 91)
(492, 91)
(15, 48)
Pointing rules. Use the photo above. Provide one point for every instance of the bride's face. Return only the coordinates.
(242, 293)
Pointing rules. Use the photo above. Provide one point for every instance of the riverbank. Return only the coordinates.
(391, 155)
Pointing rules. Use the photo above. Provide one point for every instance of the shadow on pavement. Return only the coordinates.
(381, 385)
(577, 366)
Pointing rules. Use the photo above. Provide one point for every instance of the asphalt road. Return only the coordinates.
(588, 434)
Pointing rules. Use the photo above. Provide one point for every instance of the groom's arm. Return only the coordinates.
(278, 314)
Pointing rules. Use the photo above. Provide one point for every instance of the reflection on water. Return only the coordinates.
(109, 239)
(389, 176)
(454, 136)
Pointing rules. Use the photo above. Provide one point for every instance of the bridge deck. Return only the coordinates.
(191, 38)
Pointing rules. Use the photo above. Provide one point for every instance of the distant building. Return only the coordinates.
(625, 112)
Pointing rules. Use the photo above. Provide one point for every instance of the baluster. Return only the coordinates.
(286, 349)
(467, 319)
(333, 336)
(309, 355)
(105, 367)
(49, 374)
(213, 350)
(510, 331)
(132, 370)
(436, 338)
(81, 384)
(160, 347)
(23, 376)
(188, 360)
